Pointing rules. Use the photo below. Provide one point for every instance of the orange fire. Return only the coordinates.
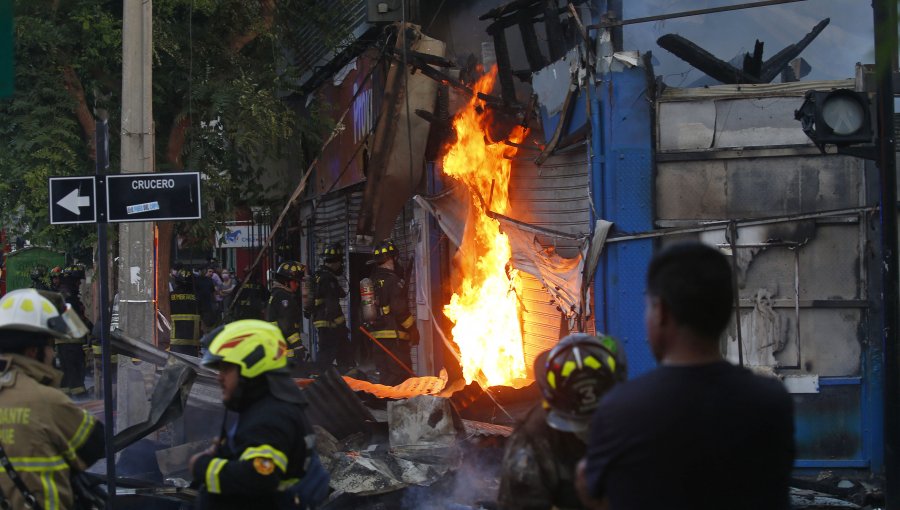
(485, 309)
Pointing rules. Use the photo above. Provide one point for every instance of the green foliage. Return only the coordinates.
(220, 73)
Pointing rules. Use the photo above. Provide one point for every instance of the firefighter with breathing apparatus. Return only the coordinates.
(538, 470)
(44, 435)
(284, 310)
(392, 324)
(266, 458)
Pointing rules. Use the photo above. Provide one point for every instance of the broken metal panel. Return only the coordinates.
(747, 90)
(686, 125)
(398, 146)
(540, 320)
(755, 122)
(693, 190)
(334, 407)
(774, 186)
(554, 195)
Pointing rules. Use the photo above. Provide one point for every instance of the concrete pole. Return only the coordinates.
(137, 273)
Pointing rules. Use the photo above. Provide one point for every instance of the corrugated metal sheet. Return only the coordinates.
(554, 195)
(334, 407)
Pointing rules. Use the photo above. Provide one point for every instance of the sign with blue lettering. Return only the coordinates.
(153, 197)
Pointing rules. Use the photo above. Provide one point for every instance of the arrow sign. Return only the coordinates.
(73, 202)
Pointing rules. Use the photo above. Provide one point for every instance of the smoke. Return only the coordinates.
(474, 485)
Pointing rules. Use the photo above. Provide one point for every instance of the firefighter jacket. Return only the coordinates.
(284, 311)
(251, 301)
(326, 311)
(46, 436)
(185, 317)
(394, 319)
(538, 470)
(264, 453)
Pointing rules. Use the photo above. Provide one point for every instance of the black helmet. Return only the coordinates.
(75, 271)
(575, 374)
(184, 276)
(290, 270)
(333, 253)
(384, 251)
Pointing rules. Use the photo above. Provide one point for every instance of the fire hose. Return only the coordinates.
(385, 349)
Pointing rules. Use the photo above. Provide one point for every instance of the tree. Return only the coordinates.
(221, 74)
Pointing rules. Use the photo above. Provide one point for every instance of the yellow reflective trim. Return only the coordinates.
(48, 308)
(340, 320)
(286, 484)
(592, 362)
(323, 324)
(386, 310)
(27, 305)
(319, 302)
(390, 333)
(408, 322)
(81, 433)
(611, 362)
(568, 368)
(184, 341)
(212, 475)
(551, 379)
(38, 464)
(293, 339)
(8, 304)
(185, 317)
(51, 491)
(268, 452)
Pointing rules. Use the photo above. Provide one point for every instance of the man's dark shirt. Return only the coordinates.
(702, 437)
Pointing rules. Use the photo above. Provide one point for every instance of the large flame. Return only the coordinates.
(485, 309)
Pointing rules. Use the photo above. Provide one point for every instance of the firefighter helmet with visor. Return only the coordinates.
(290, 270)
(257, 347)
(39, 311)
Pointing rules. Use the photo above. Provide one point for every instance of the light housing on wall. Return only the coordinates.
(839, 117)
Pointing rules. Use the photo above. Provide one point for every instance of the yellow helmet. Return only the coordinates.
(254, 345)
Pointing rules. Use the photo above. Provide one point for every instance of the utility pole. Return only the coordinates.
(137, 270)
(884, 13)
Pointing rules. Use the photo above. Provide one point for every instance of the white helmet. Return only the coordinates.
(33, 310)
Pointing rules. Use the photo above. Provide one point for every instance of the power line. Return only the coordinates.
(684, 14)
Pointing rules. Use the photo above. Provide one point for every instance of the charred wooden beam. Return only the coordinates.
(555, 39)
(533, 52)
(754, 70)
(772, 67)
(431, 59)
(704, 60)
(753, 63)
(504, 67)
(508, 8)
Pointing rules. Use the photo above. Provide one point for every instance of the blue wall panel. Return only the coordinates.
(622, 186)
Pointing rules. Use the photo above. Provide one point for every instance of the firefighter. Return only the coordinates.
(268, 456)
(185, 315)
(38, 275)
(326, 312)
(45, 436)
(71, 351)
(55, 275)
(394, 327)
(251, 300)
(538, 470)
(284, 310)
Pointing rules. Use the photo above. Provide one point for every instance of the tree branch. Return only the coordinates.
(82, 112)
(267, 8)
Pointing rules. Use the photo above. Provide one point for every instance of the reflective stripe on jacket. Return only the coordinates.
(44, 434)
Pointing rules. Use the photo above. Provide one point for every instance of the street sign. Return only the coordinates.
(153, 197)
(73, 200)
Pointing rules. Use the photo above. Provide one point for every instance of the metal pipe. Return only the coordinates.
(735, 293)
